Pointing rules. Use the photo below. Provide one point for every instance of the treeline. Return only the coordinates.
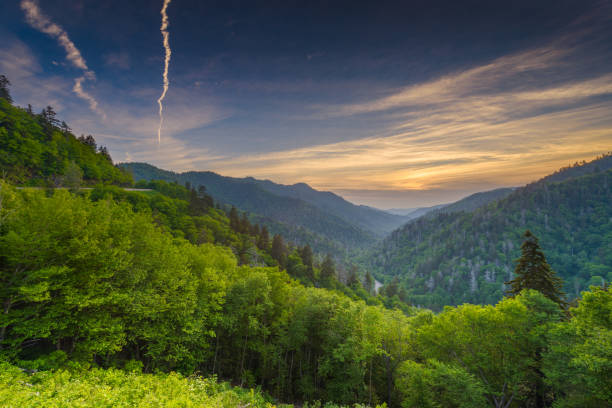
(467, 256)
(39, 149)
(95, 281)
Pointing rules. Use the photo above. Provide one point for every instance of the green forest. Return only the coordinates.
(163, 296)
(466, 256)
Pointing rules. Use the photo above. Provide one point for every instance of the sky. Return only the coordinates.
(394, 104)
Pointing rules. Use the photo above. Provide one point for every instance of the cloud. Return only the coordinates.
(38, 20)
(20, 65)
(42, 23)
(474, 129)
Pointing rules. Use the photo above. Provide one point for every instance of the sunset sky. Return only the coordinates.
(391, 104)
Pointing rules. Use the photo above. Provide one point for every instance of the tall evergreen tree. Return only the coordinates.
(533, 272)
(328, 270)
(279, 250)
(263, 241)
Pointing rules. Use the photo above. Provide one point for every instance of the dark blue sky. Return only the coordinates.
(394, 104)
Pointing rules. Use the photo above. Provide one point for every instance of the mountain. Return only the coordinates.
(474, 201)
(466, 256)
(400, 211)
(578, 169)
(301, 213)
(370, 219)
(469, 203)
(419, 212)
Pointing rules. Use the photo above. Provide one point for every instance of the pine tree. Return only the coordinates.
(234, 219)
(352, 280)
(328, 271)
(533, 272)
(279, 251)
(263, 241)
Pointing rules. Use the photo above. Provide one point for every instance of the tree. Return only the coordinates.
(438, 385)
(73, 176)
(279, 250)
(104, 153)
(49, 116)
(308, 260)
(497, 344)
(263, 240)
(328, 270)
(578, 364)
(369, 282)
(4, 88)
(392, 288)
(533, 272)
(234, 219)
(64, 127)
(89, 141)
(352, 280)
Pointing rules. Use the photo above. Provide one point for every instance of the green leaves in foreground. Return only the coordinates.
(116, 388)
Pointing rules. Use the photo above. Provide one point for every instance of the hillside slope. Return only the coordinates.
(37, 149)
(475, 201)
(301, 212)
(452, 258)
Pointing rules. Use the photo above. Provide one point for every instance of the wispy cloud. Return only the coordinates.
(37, 19)
(24, 70)
(501, 123)
(167, 54)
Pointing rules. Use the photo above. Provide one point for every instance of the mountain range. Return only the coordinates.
(303, 214)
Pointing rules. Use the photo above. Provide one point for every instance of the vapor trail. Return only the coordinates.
(42, 23)
(166, 43)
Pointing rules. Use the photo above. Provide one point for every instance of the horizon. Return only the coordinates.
(392, 105)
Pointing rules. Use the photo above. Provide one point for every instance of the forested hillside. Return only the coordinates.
(304, 215)
(474, 201)
(38, 149)
(467, 256)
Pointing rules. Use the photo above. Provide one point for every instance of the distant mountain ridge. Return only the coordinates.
(474, 201)
(304, 211)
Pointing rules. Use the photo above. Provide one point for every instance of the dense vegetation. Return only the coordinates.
(97, 282)
(82, 387)
(106, 294)
(37, 149)
(462, 257)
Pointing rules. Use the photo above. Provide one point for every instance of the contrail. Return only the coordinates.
(165, 35)
(42, 23)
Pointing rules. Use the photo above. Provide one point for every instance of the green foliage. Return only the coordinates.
(114, 388)
(440, 385)
(579, 364)
(90, 279)
(97, 283)
(450, 259)
(34, 150)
